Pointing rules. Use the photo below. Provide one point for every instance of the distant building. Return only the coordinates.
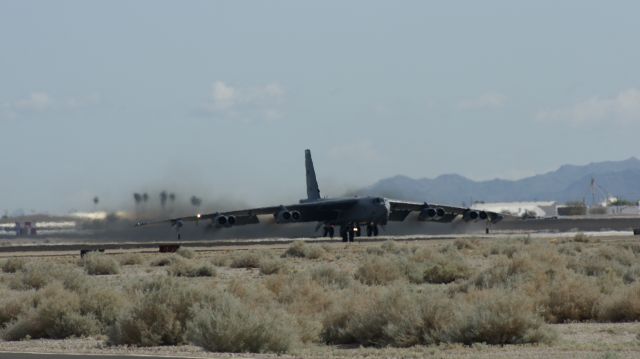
(538, 209)
(26, 229)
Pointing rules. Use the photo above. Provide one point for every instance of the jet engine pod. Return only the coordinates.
(483, 215)
(431, 214)
(471, 215)
(221, 220)
(177, 223)
(283, 216)
(295, 216)
(231, 220)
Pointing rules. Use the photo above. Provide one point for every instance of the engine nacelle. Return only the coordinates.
(221, 220)
(286, 216)
(471, 216)
(283, 216)
(431, 214)
(177, 224)
(231, 220)
(483, 215)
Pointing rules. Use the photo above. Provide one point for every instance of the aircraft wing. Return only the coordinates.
(440, 213)
(322, 210)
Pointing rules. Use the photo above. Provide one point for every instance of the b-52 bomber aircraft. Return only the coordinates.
(350, 214)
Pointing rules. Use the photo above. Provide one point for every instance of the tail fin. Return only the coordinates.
(313, 192)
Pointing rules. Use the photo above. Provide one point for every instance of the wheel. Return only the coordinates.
(351, 235)
(374, 229)
(358, 231)
(325, 232)
(344, 234)
(331, 232)
(369, 230)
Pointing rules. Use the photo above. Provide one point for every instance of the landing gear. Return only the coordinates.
(372, 230)
(348, 232)
(328, 231)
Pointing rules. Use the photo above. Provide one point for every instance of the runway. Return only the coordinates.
(12, 355)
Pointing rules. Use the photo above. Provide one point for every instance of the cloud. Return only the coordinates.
(488, 100)
(622, 108)
(39, 101)
(253, 102)
(82, 101)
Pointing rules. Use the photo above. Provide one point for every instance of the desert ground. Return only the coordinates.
(519, 296)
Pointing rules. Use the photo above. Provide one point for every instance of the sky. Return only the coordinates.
(220, 98)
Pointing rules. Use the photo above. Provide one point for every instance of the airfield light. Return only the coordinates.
(198, 215)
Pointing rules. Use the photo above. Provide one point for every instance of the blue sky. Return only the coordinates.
(220, 98)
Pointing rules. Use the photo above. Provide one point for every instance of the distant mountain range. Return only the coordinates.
(568, 183)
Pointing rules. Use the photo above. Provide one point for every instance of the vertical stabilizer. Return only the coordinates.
(313, 192)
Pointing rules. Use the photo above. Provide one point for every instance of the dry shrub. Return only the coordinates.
(581, 238)
(617, 254)
(622, 306)
(506, 273)
(272, 266)
(433, 267)
(159, 313)
(396, 316)
(229, 325)
(296, 249)
(13, 265)
(299, 293)
(186, 253)
(163, 261)
(572, 298)
(100, 264)
(304, 298)
(57, 315)
(497, 316)
(464, 243)
(328, 276)
(302, 250)
(247, 259)
(446, 272)
(221, 260)
(129, 259)
(393, 247)
(36, 275)
(379, 317)
(378, 270)
(184, 268)
(104, 303)
(14, 303)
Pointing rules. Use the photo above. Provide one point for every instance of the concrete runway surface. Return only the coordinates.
(10, 355)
